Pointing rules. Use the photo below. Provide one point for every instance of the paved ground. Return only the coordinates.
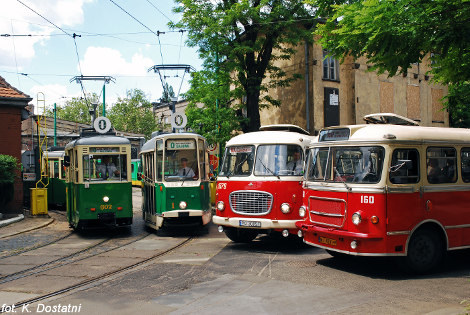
(213, 275)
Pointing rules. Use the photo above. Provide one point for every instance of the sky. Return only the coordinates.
(111, 43)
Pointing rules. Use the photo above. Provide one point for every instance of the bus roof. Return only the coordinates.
(150, 145)
(394, 133)
(284, 127)
(98, 140)
(271, 137)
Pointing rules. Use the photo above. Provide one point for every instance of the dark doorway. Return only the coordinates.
(331, 109)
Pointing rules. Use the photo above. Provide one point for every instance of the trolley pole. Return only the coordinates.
(55, 124)
(104, 103)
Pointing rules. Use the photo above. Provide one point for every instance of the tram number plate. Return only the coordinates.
(250, 223)
(327, 241)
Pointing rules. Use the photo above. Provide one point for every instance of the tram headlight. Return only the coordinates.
(356, 218)
(183, 205)
(302, 211)
(285, 208)
(105, 198)
(220, 206)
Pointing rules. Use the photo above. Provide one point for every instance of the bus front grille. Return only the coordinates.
(327, 211)
(249, 202)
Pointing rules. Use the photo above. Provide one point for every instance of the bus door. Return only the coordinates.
(404, 196)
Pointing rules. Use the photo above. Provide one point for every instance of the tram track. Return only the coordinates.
(66, 260)
(101, 277)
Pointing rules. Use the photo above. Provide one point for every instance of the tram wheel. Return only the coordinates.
(425, 251)
(241, 235)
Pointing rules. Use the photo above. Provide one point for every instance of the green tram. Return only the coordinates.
(176, 189)
(53, 162)
(135, 170)
(98, 181)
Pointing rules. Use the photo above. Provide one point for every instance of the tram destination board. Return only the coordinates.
(246, 223)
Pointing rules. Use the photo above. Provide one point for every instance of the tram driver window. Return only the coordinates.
(405, 166)
(441, 165)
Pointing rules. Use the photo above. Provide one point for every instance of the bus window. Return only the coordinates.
(465, 160)
(405, 166)
(238, 161)
(357, 164)
(318, 159)
(441, 165)
(280, 159)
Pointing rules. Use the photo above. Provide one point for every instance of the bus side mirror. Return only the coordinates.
(66, 161)
(407, 164)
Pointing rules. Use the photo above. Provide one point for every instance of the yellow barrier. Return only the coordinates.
(38, 201)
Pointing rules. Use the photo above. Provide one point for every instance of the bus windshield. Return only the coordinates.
(238, 161)
(279, 159)
(346, 164)
(180, 161)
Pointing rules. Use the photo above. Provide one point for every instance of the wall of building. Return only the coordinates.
(10, 144)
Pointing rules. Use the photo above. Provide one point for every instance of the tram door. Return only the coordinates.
(149, 186)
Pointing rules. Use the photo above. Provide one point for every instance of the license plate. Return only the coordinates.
(327, 241)
(250, 223)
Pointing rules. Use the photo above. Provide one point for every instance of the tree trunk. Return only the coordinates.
(252, 112)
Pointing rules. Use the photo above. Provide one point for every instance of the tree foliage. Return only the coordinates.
(8, 167)
(216, 120)
(457, 102)
(394, 34)
(133, 114)
(167, 94)
(249, 36)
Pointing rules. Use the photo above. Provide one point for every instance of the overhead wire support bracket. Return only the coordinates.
(104, 78)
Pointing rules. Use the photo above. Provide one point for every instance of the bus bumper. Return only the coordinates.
(264, 224)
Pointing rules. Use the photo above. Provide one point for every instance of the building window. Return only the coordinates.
(330, 67)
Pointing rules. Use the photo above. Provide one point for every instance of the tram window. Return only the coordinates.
(56, 169)
(441, 165)
(105, 167)
(405, 166)
(159, 161)
(281, 159)
(238, 161)
(202, 161)
(465, 161)
(180, 160)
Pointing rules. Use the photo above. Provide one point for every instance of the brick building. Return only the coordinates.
(12, 112)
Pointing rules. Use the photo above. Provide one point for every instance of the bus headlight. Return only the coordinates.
(220, 206)
(302, 211)
(285, 208)
(356, 218)
(105, 198)
(183, 205)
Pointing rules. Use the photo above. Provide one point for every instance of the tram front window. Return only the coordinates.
(104, 167)
(238, 161)
(181, 160)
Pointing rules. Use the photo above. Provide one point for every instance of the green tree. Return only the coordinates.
(394, 34)
(167, 94)
(457, 102)
(249, 36)
(77, 109)
(133, 114)
(216, 120)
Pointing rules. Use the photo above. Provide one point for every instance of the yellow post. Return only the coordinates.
(39, 194)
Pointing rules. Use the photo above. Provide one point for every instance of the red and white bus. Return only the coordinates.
(388, 190)
(259, 187)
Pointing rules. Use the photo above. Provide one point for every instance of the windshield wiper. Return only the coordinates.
(265, 167)
(342, 180)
